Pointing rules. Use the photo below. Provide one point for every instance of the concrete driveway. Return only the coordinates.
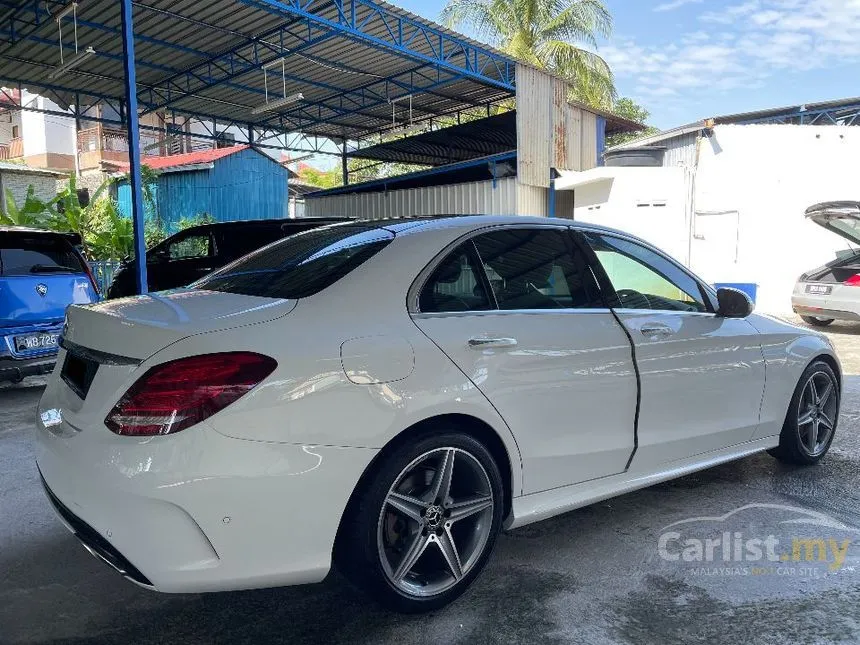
(590, 576)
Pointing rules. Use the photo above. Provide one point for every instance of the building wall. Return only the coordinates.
(45, 186)
(551, 132)
(753, 183)
(473, 198)
(243, 186)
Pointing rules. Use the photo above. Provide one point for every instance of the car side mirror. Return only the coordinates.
(733, 303)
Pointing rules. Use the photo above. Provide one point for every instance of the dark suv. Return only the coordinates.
(190, 254)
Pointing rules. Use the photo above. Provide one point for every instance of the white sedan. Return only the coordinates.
(387, 396)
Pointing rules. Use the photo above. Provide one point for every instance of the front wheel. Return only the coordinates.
(816, 322)
(812, 417)
(425, 524)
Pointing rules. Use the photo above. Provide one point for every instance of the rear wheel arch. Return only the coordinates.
(832, 362)
(469, 425)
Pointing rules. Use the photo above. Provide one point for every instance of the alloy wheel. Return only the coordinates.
(435, 522)
(816, 415)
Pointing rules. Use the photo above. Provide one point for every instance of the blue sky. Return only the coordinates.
(690, 59)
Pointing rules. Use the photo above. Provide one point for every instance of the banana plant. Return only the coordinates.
(34, 212)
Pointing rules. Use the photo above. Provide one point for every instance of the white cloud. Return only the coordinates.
(675, 4)
(741, 45)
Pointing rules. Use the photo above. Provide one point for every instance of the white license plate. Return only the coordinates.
(31, 342)
(818, 288)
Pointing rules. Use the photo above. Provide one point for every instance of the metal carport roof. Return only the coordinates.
(349, 58)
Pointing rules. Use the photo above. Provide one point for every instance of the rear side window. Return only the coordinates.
(537, 269)
(22, 254)
(301, 265)
(455, 285)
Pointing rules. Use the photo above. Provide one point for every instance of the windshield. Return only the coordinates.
(29, 254)
(301, 265)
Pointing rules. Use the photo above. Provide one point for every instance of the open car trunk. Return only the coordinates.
(842, 218)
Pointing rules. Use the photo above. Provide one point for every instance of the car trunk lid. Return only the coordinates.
(139, 326)
(842, 218)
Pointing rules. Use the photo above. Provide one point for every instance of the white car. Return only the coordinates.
(389, 395)
(832, 292)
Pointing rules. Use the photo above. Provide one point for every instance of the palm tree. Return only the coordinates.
(549, 34)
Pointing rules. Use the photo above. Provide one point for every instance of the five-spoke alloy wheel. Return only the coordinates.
(812, 416)
(436, 509)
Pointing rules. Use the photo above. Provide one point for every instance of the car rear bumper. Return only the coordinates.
(15, 369)
(824, 306)
(198, 511)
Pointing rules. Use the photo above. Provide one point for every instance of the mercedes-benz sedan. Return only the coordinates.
(389, 395)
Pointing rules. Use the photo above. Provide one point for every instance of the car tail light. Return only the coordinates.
(90, 275)
(853, 281)
(175, 395)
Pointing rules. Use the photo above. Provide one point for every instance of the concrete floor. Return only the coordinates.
(590, 576)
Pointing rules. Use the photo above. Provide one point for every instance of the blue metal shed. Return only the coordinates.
(228, 184)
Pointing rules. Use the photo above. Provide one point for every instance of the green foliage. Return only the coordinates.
(321, 178)
(628, 108)
(197, 220)
(556, 35)
(34, 212)
(153, 233)
(111, 236)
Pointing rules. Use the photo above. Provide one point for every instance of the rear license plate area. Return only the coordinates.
(78, 373)
(36, 342)
(818, 289)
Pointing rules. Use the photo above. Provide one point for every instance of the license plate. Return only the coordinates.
(31, 342)
(818, 288)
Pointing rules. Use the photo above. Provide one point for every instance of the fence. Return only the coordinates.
(103, 271)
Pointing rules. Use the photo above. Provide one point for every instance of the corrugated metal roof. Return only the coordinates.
(8, 166)
(189, 158)
(336, 73)
(471, 140)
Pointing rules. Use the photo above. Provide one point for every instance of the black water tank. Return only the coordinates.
(649, 156)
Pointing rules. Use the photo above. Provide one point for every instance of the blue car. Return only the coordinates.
(41, 273)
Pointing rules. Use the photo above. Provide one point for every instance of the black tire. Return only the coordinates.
(792, 449)
(816, 322)
(358, 553)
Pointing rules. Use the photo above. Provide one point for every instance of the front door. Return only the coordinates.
(519, 312)
(702, 375)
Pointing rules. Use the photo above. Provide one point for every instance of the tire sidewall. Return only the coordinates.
(790, 440)
(366, 521)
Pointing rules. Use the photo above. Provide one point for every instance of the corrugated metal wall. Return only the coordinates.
(551, 133)
(681, 150)
(472, 198)
(246, 185)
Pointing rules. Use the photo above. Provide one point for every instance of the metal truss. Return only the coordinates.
(846, 114)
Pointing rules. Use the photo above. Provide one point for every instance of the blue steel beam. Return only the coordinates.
(134, 148)
(355, 17)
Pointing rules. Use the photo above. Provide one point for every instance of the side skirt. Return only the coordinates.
(540, 506)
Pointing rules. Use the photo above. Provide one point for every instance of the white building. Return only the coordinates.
(728, 197)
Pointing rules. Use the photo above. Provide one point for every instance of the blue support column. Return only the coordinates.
(551, 205)
(133, 146)
(601, 139)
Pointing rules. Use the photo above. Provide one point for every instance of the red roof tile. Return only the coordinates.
(187, 159)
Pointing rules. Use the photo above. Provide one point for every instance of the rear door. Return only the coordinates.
(702, 375)
(519, 312)
(40, 275)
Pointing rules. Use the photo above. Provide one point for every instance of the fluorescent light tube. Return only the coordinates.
(72, 62)
(277, 104)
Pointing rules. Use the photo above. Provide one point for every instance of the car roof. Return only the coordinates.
(74, 238)
(263, 223)
(477, 221)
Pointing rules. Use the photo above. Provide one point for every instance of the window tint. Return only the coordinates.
(455, 285)
(238, 241)
(301, 265)
(644, 279)
(29, 254)
(537, 269)
(190, 246)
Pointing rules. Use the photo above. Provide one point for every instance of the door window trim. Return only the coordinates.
(414, 292)
(606, 284)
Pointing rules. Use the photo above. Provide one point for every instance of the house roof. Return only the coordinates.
(188, 159)
(8, 166)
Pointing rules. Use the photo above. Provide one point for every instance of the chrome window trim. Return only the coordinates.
(507, 312)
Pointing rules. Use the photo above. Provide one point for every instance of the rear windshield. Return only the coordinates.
(301, 265)
(22, 254)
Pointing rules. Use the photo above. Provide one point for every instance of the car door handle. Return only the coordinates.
(652, 331)
(480, 343)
